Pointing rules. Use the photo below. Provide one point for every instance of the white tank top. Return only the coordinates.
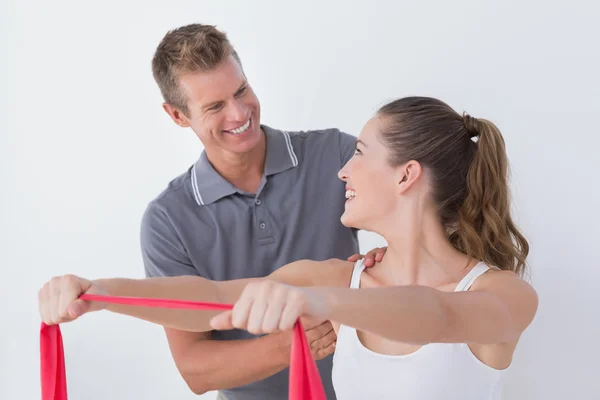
(433, 372)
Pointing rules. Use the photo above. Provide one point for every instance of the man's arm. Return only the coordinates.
(207, 364)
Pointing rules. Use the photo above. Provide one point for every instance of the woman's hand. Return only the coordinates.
(58, 299)
(268, 306)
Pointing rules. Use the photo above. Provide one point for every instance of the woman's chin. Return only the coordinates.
(348, 221)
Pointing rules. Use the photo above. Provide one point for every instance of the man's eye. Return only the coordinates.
(241, 91)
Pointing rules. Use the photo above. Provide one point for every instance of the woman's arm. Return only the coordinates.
(497, 309)
(59, 298)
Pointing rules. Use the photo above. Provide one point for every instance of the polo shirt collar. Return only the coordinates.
(209, 186)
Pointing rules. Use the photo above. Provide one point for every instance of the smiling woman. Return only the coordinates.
(446, 305)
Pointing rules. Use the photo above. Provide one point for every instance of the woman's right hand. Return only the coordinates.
(58, 299)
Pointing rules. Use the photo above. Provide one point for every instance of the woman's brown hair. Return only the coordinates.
(469, 177)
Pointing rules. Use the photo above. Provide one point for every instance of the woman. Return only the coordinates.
(440, 316)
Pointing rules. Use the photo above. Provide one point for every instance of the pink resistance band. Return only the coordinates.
(304, 384)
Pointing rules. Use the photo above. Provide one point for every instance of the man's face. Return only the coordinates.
(223, 110)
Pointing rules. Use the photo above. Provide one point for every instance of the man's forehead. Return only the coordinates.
(211, 86)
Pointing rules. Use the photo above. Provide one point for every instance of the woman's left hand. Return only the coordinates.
(268, 306)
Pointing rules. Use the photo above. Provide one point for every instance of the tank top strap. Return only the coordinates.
(475, 272)
(358, 269)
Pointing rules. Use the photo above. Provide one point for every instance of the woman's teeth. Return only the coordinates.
(241, 129)
(350, 194)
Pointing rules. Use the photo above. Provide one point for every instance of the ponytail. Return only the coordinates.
(486, 230)
(468, 177)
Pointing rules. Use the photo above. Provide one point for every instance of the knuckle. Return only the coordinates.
(265, 287)
(279, 291)
(296, 296)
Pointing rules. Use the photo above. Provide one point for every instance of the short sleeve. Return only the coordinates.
(347, 147)
(163, 253)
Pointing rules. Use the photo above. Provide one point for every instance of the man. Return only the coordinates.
(256, 199)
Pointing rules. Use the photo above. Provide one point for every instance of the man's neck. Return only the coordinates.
(244, 171)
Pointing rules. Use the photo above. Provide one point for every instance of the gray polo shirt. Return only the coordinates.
(203, 225)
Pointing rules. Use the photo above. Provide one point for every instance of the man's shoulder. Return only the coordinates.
(172, 196)
(326, 143)
(315, 135)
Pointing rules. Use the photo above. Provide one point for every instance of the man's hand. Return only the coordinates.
(321, 339)
(373, 256)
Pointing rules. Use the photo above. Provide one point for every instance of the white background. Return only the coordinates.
(84, 145)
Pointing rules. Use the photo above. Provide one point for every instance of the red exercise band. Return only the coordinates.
(304, 383)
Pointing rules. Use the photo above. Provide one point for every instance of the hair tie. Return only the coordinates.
(470, 125)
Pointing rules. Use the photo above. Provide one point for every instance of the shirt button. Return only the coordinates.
(258, 202)
(262, 225)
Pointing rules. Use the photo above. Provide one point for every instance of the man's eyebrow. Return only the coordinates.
(214, 103)
(242, 86)
(210, 105)
(361, 142)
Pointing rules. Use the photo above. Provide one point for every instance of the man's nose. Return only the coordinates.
(237, 111)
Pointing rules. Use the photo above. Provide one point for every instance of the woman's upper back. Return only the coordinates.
(433, 371)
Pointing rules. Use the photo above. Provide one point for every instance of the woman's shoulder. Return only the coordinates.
(326, 273)
(510, 287)
(495, 276)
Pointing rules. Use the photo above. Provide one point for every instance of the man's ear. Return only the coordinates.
(176, 115)
(407, 174)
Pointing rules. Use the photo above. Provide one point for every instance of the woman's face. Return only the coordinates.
(371, 182)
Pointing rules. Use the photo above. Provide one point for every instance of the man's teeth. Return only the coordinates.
(350, 194)
(241, 129)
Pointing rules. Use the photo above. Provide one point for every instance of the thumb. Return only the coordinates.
(222, 321)
(77, 308)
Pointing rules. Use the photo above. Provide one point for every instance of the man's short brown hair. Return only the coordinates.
(188, 49)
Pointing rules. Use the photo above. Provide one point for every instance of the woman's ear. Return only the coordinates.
(407, 174)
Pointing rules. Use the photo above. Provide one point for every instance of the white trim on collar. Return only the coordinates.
(197, 194)
(288, 142)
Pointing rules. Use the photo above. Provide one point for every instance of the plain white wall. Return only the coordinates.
(85, 145)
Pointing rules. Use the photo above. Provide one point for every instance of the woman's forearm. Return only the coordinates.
(189, 288)
(409, 314)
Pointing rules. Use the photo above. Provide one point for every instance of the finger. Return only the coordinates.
(380, 253)
(43, 303)
(325, 351)
(77, 308)
(318, 331)
(323, 341)
(369, 261)
(222, 321)
(54, 295)
(70, 289)
(355, 257)
(274, 310)
(241, 308)
(257, 311)
(290, 314)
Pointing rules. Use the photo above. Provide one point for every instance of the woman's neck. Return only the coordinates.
(419, 253)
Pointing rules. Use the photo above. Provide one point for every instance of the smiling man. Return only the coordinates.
(256, 199)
